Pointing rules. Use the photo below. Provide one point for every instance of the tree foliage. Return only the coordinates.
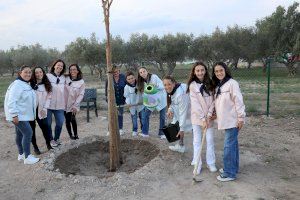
(277, 36)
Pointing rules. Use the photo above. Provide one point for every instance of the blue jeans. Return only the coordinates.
(145, 120)
(231, 153)
(120, 117)
(134, 119)
(23, 137)
(59, 120)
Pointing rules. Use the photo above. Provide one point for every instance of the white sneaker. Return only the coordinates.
(212, 168)
(144, 135)
(31, 160)
(163, 137)
(121, 132)
(134, 133)
(198, 171)
(21, 157)
(53, 143)
(178, 148)
(221, 170)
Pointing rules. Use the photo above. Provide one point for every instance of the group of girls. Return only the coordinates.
(129, 91)
(195, 105)
(34, 96)
(213, 98)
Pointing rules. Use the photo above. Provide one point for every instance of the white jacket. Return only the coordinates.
(20, 100)
(133, 98)
(58, 92)
(74, 94)
(229, 105)
(43, 100)
(181, 108)
(155, 80)
(202, 107)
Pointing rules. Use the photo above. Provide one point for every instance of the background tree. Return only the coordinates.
(280, 33)
(5, 62)
(174, 49)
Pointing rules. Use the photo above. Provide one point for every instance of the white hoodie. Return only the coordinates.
(20, 100)
(133, 98)
(181, 108)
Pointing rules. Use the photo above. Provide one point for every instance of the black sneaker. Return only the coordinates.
(72, 137)
(223, 178)
(37, 152)
(49, 147)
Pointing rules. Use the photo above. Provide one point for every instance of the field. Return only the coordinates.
(269, 153)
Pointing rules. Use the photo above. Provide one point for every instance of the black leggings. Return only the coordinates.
(44, 127)
(71, 119)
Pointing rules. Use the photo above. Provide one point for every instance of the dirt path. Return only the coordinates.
(269, 167)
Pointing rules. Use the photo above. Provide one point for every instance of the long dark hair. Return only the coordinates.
(45, 80)
(141, 80)
(79, 75)
(227, 72)
(172, 79)
(206, 80)
(54, 63)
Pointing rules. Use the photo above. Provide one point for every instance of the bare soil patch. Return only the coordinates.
(93, 159)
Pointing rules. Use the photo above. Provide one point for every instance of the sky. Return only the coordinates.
(56, 23)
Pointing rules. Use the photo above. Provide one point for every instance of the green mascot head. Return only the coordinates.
(150, 96)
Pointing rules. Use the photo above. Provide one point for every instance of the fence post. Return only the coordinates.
(268, 74)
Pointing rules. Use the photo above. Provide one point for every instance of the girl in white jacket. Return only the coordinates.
(74, 93)
(134, 99)
(202, 107)
(179, 109)
(57, 104)
(19, 106)
(144, 77)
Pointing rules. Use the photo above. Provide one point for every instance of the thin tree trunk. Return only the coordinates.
(13, 72)
(171, 67)
(291, 66)
(92, 69)
(114, 141)
(161, 68)
(249, 64)
(264, 61)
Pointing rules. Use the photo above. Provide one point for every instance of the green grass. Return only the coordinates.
(4, 83)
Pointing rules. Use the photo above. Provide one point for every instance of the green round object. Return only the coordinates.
(150, 89)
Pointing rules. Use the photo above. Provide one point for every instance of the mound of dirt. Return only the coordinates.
(93, 159)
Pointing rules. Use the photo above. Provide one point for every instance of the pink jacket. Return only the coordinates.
(74, 92)
(202, 107)
(229, 105)
(58, 92)
(43, 100)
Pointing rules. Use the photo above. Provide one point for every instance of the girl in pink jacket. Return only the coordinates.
(73, 96)
(42, 87)
(202, 108)
(231, 114)
(57, 104)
